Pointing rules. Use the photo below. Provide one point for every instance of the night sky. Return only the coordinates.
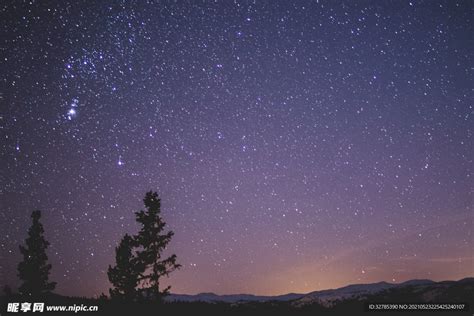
(296, 145)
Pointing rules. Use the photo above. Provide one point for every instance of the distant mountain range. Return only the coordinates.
(329, 297)
(426, 289)
(231, 298)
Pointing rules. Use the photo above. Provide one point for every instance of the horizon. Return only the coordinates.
(304, 293)
(295, 146)
(326, 289)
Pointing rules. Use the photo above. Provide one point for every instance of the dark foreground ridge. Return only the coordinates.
(348, 300)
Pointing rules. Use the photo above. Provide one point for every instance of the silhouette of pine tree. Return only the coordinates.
(124, 276)
(34, 269)
(151, 241)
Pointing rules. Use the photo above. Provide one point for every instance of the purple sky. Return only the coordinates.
(296, 145)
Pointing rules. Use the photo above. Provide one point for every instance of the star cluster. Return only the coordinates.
(296, 145)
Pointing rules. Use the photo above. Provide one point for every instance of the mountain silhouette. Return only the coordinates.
(330, 297)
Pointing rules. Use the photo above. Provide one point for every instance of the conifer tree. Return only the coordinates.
(124, 276)
(34, 269)
(139, 260)
(151, 242)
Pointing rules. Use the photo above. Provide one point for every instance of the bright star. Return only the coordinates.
(71, 114)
